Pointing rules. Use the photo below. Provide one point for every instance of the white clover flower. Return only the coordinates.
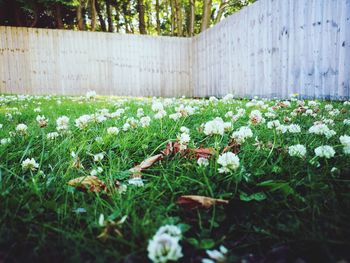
(175, 116)
(294, 128)
(216, 255)
(99, 118)
(345, 141)
(99, 140)
(270, 115)
(137, 181)
(321, 129)
(312, 104)
(140, 113)
(62, 123)
(328, 121)
(334, 112)
(282, 128)
(328, 107)
(309, 112)
(95, 172)
(117, 113)
(98, 157)
(91, 94)
(184, 129)
(213, 99)
(52, 135)
(132, 122)
(21, 129)
(163, 248)
(297, 150)
(242, 134)
(185, 110)
(171, 230)
(229, 114)
(256, 117)
(228, 98)
(325, 151)
(5, 141)
(145, 121)
(202, 162)
(8, 116)
(184, 138)
(37, 109)
(215, 126)
(42, 121)
(160, 114)
(83, 121)
(273, 124)
(334, 170)
(112, 130)
(126, 126)
(227, 126)
(346, 122)
(157, 106)
(229, 162)
(30, 164)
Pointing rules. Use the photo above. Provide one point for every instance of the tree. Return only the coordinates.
(161, 17)
(206, 14)
(141, 12)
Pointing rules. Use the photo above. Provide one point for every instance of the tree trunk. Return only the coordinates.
(18, 18)
(93, 15)
(80, 19)
(117, 18)
(141, 11)
(178, 17)
(172, 17)
(158, 16)
(58, 16)
(109, 16)
(223, 5)
(206, 14)
(100, 17)
(32, 20)
(125, 16)
(191, 18)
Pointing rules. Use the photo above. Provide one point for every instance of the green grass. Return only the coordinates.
(303, 211)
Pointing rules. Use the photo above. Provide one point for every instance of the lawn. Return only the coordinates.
(109, 179)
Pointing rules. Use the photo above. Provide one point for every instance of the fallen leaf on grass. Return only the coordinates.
(136, 171)
(171, 148)
(233, 146)
(193, 201)
(203, 152)
(91, 183)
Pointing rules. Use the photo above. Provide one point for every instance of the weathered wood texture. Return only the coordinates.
(272, 48)
(275, 48)
(44, 61)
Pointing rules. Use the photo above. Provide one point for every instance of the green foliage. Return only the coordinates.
(274, 198)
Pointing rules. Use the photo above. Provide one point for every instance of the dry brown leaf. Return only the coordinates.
(171, 148)
(203, 152)
(136, 171)
(193, 201)
(233, 146)
(91, 183)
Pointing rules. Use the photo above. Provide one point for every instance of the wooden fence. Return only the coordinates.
(46, 61)
(277, 47)
(272, 48)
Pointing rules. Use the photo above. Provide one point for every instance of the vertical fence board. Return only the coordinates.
(271, 48)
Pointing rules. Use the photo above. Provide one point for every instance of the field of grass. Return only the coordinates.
(282, 180)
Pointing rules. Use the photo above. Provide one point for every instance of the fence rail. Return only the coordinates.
(272, 48)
